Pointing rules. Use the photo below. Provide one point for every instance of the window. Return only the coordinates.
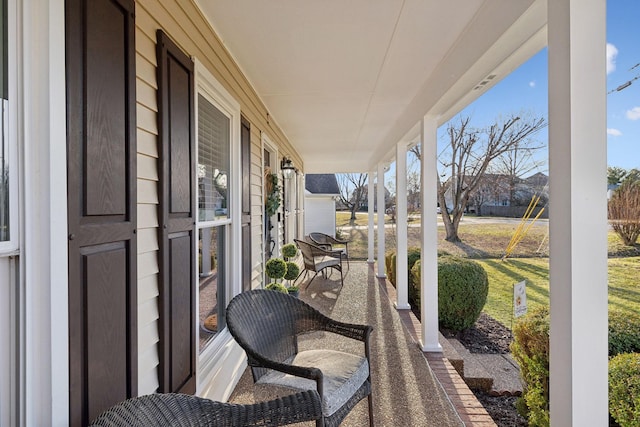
(218, 130)
(8, 164)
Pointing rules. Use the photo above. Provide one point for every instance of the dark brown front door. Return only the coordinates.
(176, 218)
(101, 187)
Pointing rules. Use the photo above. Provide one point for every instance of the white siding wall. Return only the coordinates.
(320, 215)
(183, 22)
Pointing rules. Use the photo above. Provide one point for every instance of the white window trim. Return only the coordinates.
(11, 246)
(207, 85)
(268, 145)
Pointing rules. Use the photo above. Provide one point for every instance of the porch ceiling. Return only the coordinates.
(347, 80)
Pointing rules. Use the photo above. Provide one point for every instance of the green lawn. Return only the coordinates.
(486, 244)
(624, 286)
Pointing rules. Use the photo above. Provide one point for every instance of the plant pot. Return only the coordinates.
(295, 293)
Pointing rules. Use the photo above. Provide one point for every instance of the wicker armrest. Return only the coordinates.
(184, 410)
(298, 371)
(356, 332)
(318, 250)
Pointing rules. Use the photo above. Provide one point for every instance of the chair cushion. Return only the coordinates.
(325, 261)
(342, 376)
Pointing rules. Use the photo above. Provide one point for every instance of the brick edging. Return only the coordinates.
(465, 403)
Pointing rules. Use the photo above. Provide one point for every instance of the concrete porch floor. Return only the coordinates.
(409, 388)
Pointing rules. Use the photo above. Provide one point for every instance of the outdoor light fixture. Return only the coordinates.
(287, 168)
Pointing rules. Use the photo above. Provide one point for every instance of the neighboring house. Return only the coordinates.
(136, 134)
(320, 203)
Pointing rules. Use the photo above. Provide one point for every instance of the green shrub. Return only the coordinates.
(414, 284)
(624, 332)
(463, 287)
(289, 250)
(278, 287)
(530, 348)
(390, 266)
(624, 389)
(413, 254)
(292, 271)
(276, 268)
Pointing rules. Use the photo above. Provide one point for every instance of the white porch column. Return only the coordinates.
(43, 343)
(371, 201)
(429, 257)
(381, 272)
(578, 212)
(402, 279)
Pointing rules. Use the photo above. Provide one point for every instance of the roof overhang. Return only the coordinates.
(347, 81)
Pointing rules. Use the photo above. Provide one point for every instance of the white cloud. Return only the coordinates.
(634, 113)
(613, 132)
(612, 53)
(532, 83)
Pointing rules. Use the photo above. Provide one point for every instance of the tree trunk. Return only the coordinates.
(452, 232)
(353, 212)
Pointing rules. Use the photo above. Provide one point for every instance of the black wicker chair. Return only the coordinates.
(329, 242)
(317, 259)
(179, 410)
(267, 324)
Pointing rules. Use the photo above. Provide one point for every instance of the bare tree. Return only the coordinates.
(624, 212)
(352, 190)
(515, 163)
(468, 155)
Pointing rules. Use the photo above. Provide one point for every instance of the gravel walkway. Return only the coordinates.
(404, 388)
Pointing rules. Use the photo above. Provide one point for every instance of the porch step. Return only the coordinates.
(475, 374)
(452, 355)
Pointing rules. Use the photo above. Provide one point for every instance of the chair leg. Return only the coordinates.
(370, 399)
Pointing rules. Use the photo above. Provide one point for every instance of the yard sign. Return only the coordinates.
(520, 299)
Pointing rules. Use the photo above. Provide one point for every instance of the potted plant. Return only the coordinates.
(292, 274)
(278, 287)
(289, 251)
(276, 268)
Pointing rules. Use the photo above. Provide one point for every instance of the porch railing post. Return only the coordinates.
(380, 206)
(402, 279)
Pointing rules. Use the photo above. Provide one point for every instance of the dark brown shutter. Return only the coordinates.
(101, 191)
(245, 141)
(176, 117)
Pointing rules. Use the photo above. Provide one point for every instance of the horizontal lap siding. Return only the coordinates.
(148, 316)
(183, 22)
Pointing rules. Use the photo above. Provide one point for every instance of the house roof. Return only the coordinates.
(347, 80)
(325, 183)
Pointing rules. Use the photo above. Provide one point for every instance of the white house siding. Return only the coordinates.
(183, 22)
(320, 214)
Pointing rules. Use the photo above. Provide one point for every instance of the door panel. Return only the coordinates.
(177, 219)
(101, 194)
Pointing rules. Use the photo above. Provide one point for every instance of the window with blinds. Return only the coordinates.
(213, 162)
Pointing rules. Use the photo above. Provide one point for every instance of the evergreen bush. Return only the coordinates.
(530, 349)
(278, 287)
(276, 268)
(463, 287)
(292, 271)
(289, 251)
(624, 389)
(390, 266)
(414, 284)
(624, 332)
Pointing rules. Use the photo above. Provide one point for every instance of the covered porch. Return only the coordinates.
(332, 86)
(408, 389)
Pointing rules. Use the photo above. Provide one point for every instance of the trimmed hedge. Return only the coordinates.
(463, 287)
(278, 287)
(289, 251)
(530, 349)
(624, 332)
(624, 389)
(413, 255)
(292, 271)
(276, 268)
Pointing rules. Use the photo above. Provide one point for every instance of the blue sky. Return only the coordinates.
(525, 90)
